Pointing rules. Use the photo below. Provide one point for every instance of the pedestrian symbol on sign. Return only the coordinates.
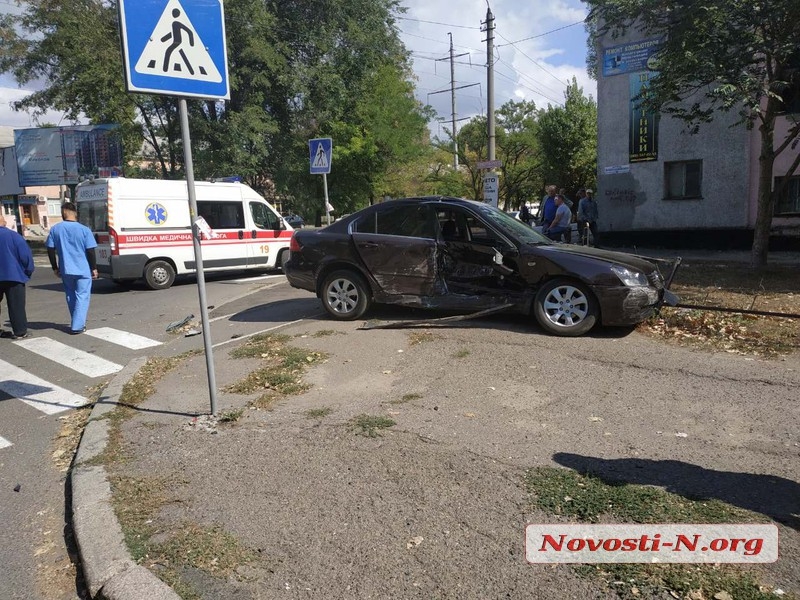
(175, 50)
(320, 158)
(320, 153)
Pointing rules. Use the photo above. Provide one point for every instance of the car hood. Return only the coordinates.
(620, 258)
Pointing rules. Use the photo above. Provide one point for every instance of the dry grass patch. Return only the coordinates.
(567, 494)
(281, 372)
(406, 398)
(420, 337)
(319, 413)
(370, 425)
(736, 286)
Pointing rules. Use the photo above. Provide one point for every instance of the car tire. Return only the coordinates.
(345, 295)
(159, 275)
(565, 307)
(283, 258)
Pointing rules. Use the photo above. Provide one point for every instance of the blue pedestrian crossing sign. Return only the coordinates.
(175, 47)
(320, 152)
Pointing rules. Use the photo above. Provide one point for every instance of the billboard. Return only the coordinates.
(9, 181)
(62, 155)
(630, 58)
(643, 144)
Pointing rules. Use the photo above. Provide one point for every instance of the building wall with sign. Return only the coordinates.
(653, 175)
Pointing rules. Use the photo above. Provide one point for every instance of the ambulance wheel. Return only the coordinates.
(283, 258)
(159, 275)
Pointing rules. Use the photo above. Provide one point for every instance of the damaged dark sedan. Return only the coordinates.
(455, 254)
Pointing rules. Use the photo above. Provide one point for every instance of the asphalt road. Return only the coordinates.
(54, 371)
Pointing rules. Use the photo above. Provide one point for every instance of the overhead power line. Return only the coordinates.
(533, 37)
(436, 23)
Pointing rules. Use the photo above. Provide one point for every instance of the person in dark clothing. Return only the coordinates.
(70, 247)
(524, 213)
(16, 268)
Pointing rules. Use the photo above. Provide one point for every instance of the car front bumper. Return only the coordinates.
(630, 305)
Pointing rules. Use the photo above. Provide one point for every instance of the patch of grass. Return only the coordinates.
(140, 387)
(136, 501)
(737, 286)
(406, 398)
(210, 549)
(738, 334)
(230, 416)
(282, 373)
(585, 498)
(261, 346)
(463, 353)
(420, 337)
(319, 413)
(369, 425)
(325, 333)
(566, 493)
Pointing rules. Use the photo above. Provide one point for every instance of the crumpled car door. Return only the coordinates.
(400, 265)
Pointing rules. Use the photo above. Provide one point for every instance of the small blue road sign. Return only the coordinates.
(320, 152)
(174, 47)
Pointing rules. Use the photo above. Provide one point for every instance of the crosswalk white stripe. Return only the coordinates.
(36, 392)
(4, 443)
(77, 360)
(122, 338)
(260, 278)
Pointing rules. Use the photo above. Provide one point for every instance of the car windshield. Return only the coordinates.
(505, 222)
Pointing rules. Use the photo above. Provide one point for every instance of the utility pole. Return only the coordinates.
(452, 90)
(453, 102)
(490, 80)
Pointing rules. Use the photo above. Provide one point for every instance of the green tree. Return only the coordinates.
(568, 140)
(721, 55)
(298, 69)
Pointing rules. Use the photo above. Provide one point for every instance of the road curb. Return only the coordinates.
(109, 569)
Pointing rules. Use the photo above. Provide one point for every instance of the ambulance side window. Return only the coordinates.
(221, 215)
(263, 217)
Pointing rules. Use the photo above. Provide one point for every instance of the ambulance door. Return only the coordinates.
(93, 211)
(226, 249)
(268, 237)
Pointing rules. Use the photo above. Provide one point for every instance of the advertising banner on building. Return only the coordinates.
(630, 58)
(62, 155)
(644, 123)
(9, 181)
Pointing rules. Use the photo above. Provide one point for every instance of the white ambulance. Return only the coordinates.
(143, 230)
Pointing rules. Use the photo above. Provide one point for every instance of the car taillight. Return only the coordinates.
(294, 245)
(112, 242)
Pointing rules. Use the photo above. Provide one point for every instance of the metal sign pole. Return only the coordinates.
(327, 204)
(198, 256)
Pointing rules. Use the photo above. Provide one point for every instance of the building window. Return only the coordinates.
(788, 201)
(54, 207)
(683, 180)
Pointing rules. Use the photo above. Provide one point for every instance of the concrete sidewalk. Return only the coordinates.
(293, 501)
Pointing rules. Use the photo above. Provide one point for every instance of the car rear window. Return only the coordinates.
(407, 221)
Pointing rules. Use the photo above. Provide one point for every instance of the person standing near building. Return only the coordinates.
(16, 268)
(70, 247)
(547, 207)
(587, 218)
(559, 226)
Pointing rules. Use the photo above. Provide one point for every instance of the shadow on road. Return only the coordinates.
(775, 497)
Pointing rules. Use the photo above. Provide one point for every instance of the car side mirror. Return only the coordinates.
(510, 252)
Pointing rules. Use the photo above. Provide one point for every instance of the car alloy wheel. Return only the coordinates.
(565, 307)
(345, 295)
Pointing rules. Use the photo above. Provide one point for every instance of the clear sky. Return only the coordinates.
(539, 46)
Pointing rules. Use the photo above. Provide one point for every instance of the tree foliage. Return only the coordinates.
(298, 69)
(568, 139)
(720, 55)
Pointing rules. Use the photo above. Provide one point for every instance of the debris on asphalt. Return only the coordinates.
(414, 542)
(203, 423)
(681, 434)
(192, 332)
(17, 487)
(594, 419)
(177, 324)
